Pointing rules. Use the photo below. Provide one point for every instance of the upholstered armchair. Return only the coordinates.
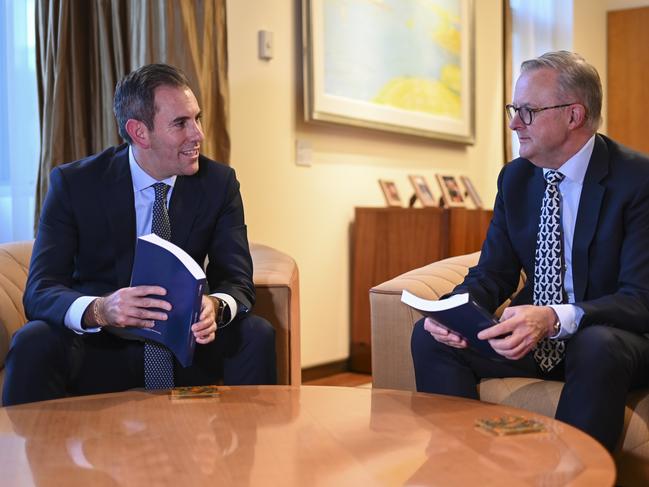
(392, 368)
(275, 276)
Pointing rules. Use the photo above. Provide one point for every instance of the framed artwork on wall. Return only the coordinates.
(390, 192)
(396, 65)
(422, 190)
(451, 191)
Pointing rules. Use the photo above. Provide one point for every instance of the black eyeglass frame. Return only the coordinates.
(531, 111)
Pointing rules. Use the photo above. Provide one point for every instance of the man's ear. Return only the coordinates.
(577, 116)
(138, 132)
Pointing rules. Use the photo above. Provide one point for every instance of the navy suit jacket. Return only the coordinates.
(87, 232)
(610, 256)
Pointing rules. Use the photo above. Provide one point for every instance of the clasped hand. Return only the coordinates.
(138, 306)
(519, 330)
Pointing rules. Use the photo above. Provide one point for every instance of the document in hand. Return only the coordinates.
(158, 262)
(459, 314)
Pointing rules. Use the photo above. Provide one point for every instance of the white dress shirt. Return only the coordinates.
(574, 170)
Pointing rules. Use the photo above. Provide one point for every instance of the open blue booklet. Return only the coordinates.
(459, 314)
(158, 262)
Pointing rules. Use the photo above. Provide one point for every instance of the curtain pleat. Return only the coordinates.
(86, 46)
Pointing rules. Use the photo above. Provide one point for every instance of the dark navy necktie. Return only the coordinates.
(548, 267)
(158, 361)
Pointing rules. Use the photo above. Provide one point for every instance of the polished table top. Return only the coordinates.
(283, 435)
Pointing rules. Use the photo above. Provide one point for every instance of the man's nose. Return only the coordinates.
(515, 122)
(197, 134)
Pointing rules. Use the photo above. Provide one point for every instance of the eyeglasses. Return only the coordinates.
(527, 114)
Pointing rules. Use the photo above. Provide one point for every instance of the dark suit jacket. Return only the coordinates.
(87, 232)
(610, 256)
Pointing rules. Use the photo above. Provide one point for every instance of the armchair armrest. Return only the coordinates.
(392, 321)
(276, 280)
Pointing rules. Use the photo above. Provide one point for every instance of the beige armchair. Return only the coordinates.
(392, 368)
(275, 276)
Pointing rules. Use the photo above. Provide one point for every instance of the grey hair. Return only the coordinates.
(576, 78)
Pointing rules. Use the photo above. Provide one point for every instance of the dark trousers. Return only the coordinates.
(48, 361)
(602, 364)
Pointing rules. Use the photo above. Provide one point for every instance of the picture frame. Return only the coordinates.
(471, 192)
(451, 191)
(417, 61)
(422, 190)
(390, 192)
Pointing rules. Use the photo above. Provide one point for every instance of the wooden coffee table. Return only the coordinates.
(304, 436)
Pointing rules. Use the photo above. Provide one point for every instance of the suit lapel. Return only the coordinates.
(183, 208)
(119, 205)
(590, 204)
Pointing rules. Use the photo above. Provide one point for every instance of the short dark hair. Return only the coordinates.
(135, 94)
(576, 78)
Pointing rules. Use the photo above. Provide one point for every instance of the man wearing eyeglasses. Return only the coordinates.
(572, 212)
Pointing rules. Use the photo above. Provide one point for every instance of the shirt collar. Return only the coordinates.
(575, 168)
(141, 180)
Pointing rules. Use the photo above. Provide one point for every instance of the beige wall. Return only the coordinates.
(589, 38)
(624, 4)
(306, 211)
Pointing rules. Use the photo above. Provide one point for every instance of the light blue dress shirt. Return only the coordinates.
(574, 170)
(144, 196)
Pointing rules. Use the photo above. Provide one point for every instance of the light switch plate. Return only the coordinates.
(265, 44)
(303, 153)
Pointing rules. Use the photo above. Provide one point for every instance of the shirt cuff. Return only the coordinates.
(231, 302)
(74, 315)
(569, 316)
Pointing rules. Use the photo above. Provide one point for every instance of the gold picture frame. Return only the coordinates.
(390, 192)
(422, 190)
(452, 194)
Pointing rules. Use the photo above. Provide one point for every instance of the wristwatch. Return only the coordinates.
(221, 310)
(557, 327)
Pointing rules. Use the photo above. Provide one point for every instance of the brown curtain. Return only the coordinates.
(85, 46)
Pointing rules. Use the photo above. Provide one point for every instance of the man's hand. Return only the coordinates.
(205, 328)
(443, 335)
(522, 327)
(129, 306)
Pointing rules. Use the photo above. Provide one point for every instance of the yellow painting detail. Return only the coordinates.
(421, 95)
(452, 77)
(447, 34)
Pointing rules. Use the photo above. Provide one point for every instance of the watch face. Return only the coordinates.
(222, 312)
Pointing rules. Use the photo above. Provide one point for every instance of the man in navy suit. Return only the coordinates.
(78, 283)
(604, 233)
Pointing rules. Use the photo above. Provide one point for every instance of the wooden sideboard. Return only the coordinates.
(387, 242)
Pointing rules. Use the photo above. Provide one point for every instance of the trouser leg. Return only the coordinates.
(446, 370)
(602, 365)
(243, 353)
(39, 363)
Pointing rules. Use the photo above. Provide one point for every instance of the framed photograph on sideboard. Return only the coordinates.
(422, 190)
(471, 192)
(451, 191)
(390, 192)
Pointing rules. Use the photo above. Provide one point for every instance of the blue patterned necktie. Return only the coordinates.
(548, 267)
(158, 361)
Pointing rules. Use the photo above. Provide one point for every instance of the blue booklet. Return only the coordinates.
(158, 262)
(459, 314)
